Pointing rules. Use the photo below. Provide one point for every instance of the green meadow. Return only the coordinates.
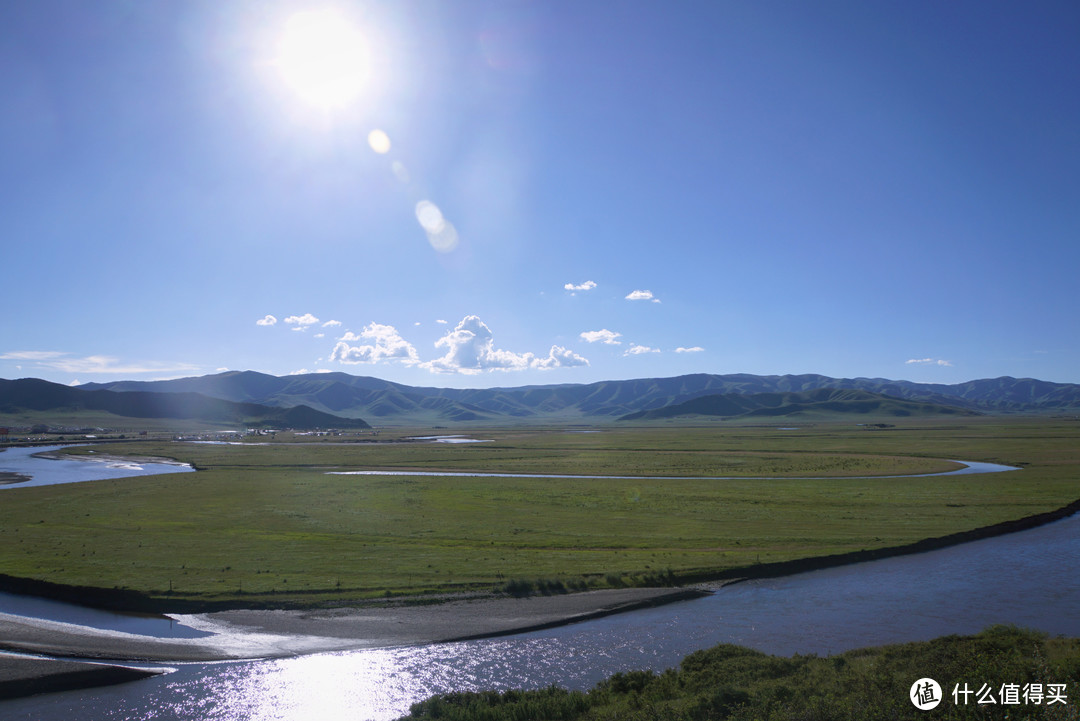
(268, 525)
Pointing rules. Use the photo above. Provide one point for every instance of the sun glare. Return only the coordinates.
(323, 58)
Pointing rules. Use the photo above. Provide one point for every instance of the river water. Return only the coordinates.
(1031, 578)
(51, 471)
(968, 467)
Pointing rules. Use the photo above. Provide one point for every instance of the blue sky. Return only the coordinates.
(555, 192)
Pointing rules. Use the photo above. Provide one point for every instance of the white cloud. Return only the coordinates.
(639, 349)
(60, 361)
(695, 349)
(559, 357)
(305, 371)
(440, 321)
(331, 324)
(603, 335)
(32, 355)
(302, 321)
(387, 345)
(642, 295)
(320, 335)
(267, 320)
(929, 361)
(587, 285)
(470, 349)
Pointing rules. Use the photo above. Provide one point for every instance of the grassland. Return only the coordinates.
(266, 525)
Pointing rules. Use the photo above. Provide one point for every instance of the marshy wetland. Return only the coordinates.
(272, 525)
(267, 526)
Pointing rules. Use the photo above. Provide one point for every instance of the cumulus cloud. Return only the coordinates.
(267, 320)
(440, 321)
(603, 335)
(928, 361)
(331, 324)
(642, 295)
(302, 321)
(470, 349)
(384, 343)
(639, 349)
(694, 349)
(587, 285)
(559, 357)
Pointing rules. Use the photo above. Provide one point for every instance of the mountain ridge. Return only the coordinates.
(39, 395)
(799, 404)
(385, 401)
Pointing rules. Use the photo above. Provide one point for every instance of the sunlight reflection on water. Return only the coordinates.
(375, 684)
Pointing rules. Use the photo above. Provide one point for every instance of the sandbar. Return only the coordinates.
(27, 675)
(250, 634)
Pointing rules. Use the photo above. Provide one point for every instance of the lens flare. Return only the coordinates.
(441, 233)
(430, 217)
(379, 141)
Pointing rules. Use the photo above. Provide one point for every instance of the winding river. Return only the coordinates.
(51, 470)
(1031, 578)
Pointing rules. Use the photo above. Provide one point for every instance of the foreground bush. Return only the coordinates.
(731, 682)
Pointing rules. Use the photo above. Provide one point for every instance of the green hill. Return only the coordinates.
(823, 402)
(31, 394)
(341, 394)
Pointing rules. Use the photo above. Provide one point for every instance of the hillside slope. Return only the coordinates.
(31, 394)
(361, 396)
(819, 403)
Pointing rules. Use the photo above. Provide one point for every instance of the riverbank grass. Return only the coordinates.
(730, 682)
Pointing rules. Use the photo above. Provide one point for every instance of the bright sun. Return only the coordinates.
(323, 58)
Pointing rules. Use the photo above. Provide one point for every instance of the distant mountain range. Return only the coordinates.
(31, 394)
(819, 403)
(384, 402)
